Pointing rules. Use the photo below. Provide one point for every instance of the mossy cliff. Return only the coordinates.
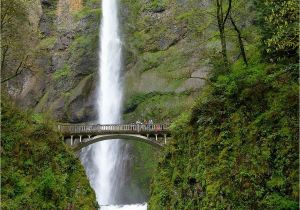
(60, 73)
(38, 171)
(165, 64)
(237, 147)
(165, 60)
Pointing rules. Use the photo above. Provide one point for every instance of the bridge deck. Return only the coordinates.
(114, 129)
(79, 136)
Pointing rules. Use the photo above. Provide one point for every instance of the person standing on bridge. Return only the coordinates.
(138, 125)
(150, 124)
(157, 127)
(145, 124)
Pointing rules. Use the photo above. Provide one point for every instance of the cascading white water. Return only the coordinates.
(103, 161)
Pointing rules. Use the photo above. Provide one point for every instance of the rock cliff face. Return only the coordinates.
(165, 65)
(63, 67)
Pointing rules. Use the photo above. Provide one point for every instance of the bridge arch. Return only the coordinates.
(130, 137)
(81, 135)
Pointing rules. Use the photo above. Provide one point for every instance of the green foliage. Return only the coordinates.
(279, 21)
(238, 146)
(18, 37)
(156, 5)
(63, 72)
(160, 107)
(151, 60)
(37, 118)
(47, 43)
(38, 171)
(144, 164)
(135, 100)
(84, 46)
(194, 20)
(87, 11)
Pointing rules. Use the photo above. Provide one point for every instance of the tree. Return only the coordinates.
(278, 20)
(15, 38)
(240, 39)
(222, 18)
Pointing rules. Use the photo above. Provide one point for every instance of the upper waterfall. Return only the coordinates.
(110, 92)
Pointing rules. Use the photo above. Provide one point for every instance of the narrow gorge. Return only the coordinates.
(220, 77)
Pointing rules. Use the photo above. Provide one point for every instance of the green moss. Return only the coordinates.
(47, 43)
(62, 72)
(85, 12)
(156, 5)
(37, 168)
(42, 102)
(145, 162)
(150, 61)
(84, 46)
(237, 147)
(160, 107)
(38, 118)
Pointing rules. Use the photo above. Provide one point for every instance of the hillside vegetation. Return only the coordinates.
(37, 170)
(230, 67)
(237, 148)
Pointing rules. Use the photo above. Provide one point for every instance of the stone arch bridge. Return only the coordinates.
(79, 136)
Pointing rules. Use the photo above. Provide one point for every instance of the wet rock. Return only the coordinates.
(45, 26)
(46, 2)
(191, 84)
(202, 72)
(43, 60)
(58, 61)
(58, 109)
(81, 102)
(197, 80)
(64, 41)
(151, 81)
(158, 10)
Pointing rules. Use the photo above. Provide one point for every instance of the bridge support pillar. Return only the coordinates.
(89, 137)
(71, 140)
(80, 138)
(165, 136)
(155, 137)
(147, 136)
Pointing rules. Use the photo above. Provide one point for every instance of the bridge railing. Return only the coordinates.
(113, 128)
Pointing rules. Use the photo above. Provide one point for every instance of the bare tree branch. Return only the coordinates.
(228, 12)
(18, 70)
(239, 34)
(4, 52)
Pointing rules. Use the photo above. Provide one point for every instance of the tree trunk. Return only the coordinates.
(241, 44)
(221, 25)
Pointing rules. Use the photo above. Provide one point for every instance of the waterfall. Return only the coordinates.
(104, 161)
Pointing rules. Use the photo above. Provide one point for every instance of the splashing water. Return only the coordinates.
(126, 207)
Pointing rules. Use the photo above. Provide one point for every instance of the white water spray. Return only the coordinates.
(103, 160)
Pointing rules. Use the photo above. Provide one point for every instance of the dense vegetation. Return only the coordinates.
(38, 171)
(238, 146)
